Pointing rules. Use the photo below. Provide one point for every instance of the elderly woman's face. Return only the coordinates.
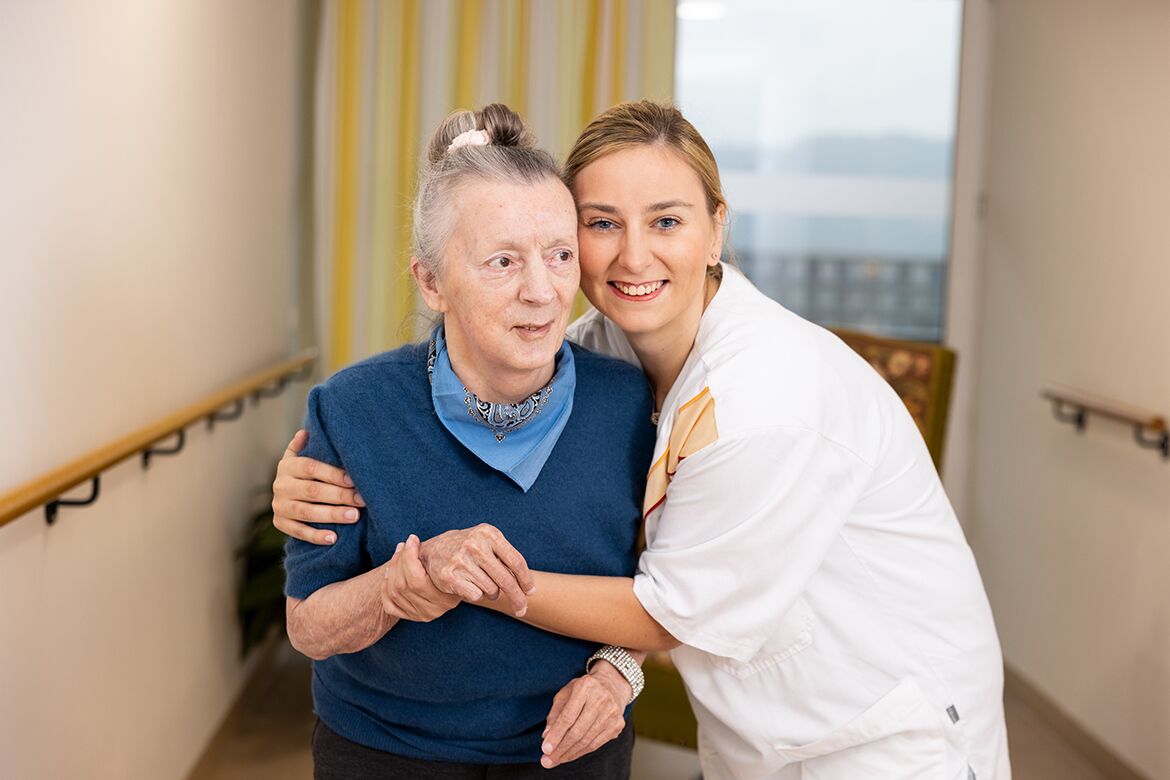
(509, 276)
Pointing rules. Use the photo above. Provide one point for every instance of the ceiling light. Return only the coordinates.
(700, 10)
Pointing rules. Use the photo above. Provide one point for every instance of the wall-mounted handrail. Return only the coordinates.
(46, 489)
(1149, 429)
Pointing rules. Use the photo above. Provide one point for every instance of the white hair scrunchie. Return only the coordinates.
(469, 138)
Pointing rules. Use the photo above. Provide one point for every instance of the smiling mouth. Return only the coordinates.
(643, 290)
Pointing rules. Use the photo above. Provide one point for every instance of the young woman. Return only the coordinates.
(829, 618)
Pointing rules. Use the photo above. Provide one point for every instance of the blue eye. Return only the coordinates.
(668, 222)
(602, 224)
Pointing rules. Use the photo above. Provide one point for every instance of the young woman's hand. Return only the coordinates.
(476, 563)
(586, 713)
(309, 491)
(407, 590)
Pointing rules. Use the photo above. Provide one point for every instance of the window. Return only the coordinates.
(833, 122)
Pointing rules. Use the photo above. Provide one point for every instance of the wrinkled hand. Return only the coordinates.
(407, 591)
(309, 491)
(586, 713)
(479, 562)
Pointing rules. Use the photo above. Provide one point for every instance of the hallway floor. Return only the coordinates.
(266, 736)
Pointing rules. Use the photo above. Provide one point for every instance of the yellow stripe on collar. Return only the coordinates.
(693, 429)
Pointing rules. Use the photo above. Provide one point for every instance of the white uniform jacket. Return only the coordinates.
(800, 545)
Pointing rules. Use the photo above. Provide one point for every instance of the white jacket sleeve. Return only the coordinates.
(746, 523)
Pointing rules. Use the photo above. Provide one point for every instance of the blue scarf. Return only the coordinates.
(523, 451)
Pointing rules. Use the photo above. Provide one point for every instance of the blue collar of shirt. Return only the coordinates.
(524, 451)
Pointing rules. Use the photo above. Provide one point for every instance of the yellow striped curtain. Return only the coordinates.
(390, 70)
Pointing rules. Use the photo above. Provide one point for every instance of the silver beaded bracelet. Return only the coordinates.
(624, 663)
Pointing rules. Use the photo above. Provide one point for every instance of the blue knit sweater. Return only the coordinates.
(474, 685)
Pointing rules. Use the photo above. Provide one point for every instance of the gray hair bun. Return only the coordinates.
(503, 126)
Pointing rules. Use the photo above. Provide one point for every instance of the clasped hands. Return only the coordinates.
(424, 580)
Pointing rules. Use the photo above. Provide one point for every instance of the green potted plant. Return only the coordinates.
(260, 597)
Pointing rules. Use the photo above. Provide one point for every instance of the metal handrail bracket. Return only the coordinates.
(1149, 430)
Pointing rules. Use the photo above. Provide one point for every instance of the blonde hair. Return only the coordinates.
(646, 123)
(510, 154)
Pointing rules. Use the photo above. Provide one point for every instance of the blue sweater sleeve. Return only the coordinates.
(310, 567)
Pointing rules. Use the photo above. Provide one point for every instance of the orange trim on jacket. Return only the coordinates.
(693, 429)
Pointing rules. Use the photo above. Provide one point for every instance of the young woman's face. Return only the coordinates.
(509, 275)
(646, 239)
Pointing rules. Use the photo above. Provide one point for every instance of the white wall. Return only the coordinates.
(1073, 531)
(146, 255)
(963, 270)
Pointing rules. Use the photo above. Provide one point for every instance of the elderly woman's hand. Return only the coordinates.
(407, 590)
(479, 562)
(586, 713)
(309, 491)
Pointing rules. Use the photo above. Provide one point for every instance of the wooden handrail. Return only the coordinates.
(47, 487)
(1149, 429)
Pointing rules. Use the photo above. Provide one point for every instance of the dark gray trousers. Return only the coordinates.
(337, 758)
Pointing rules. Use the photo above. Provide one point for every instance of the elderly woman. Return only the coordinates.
(495, 418)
